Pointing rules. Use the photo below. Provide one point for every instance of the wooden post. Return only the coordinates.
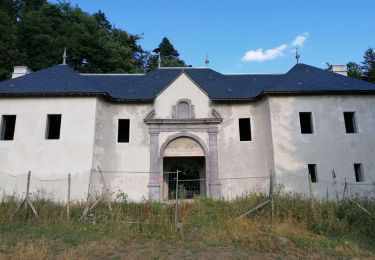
(311, 196)
(176, 206)
(105, 190)
(104, 195)
(310, 187)
(68, 202)
(27, 189)
(271, 194)
(345, 188)
(27, 201)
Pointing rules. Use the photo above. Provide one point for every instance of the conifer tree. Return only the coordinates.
(368, 65)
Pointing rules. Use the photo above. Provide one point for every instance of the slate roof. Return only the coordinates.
(62, 80)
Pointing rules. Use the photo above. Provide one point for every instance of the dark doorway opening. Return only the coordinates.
(191, 178)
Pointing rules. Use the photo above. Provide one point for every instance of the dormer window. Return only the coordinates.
(183, 109)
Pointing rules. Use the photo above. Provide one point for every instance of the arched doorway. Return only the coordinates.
(186, 155)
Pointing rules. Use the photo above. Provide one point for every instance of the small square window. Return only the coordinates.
(123, 131)
(245, 129)
(8, 125)
(350, 122)
(53, 127)
(313, 173)
(306, 122)
(359, 177)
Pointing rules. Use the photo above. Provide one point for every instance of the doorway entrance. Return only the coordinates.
(185, 155)
(191, 177)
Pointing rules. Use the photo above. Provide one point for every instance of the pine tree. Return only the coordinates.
(168, 54)
(354, 70)
(368, 65)
(166, 49)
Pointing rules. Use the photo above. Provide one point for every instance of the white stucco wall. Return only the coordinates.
(330, 147)
(183, 87)
(125, 165)
(244, 160)
(48, 159)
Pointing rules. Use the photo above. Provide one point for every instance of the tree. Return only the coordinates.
(35, 32)
(102, 20)
(168, 54)
(10, 55)
(368, 65)
(354, 70)
(166, 49)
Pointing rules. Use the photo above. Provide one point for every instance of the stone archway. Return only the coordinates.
(184, 128)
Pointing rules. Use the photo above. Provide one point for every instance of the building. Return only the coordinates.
(215, 127)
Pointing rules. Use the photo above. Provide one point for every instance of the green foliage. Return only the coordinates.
(368, 65)
(354, 70)
(311, 226)
(35, 33)
(168, 54)
(366, 71)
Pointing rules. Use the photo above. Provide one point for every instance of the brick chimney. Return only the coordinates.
(20, 71)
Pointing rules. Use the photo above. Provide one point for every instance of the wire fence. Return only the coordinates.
(54, 189)
(130, 188)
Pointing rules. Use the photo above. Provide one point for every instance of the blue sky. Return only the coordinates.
(248, 36)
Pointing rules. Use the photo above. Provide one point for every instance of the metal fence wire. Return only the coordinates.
(46, 189)
(130, 188)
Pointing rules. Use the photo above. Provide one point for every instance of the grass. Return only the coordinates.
(300, 228)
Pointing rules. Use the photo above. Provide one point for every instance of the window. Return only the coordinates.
(306, 122)
(53, 127)
(358, 173)
(245, 129)
(312, 173)
(350, 124)
(123, 131)
(8, 124)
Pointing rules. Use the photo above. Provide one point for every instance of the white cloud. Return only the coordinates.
(271, 54)
(260, 55)
(300, 40)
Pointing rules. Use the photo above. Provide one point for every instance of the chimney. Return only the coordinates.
(339, 69)
(20, 71)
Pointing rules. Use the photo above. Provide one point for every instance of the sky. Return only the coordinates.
(246, 36)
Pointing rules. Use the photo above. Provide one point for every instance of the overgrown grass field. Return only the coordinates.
(210, 229)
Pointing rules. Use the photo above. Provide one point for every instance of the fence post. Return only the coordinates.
(311, 196)
(345, 188)
(68, 205)
(176, 206)
(27, 201)
(310, 187)
(27, 189)
(105, 190)
(271, 194)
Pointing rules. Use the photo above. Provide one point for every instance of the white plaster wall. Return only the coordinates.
(241, 162)
(183, 87)
(330, 147)
(125, 166)
(48, 159)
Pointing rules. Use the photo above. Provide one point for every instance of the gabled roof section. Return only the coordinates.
(302, 78)
(306, 78)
